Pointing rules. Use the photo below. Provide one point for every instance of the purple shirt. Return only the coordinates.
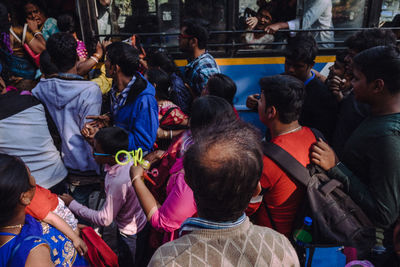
(121, 203)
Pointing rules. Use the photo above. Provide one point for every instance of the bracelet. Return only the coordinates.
(36, 33)
(170, 134)
(136, 177)
(97, 56)
(95, 59)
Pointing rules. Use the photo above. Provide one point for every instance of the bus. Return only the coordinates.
(157, 23)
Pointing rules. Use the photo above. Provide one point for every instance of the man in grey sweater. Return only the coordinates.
(223, 168)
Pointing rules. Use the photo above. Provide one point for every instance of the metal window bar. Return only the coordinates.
(234, 33)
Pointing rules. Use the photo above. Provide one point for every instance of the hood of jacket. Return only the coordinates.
(61, 91)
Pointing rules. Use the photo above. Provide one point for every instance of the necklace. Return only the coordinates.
(291, 131)
(12, 226)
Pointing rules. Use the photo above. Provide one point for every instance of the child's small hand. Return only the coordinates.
(80, 245)
(66, 198)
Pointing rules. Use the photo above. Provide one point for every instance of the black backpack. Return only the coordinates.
(336, 218)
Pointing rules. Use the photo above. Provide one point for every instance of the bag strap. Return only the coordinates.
(273, 224)
(24, 33)
(15, 35)
(164, 117)
(287, 162)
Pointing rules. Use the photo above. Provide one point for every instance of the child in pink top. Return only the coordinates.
(122, 204)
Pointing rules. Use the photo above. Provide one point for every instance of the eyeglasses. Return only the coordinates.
(101, 154)
(185, 36)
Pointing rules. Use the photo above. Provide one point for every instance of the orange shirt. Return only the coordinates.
(42, 203)
(284, 195)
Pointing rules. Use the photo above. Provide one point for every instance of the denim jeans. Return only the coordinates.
(132, 248)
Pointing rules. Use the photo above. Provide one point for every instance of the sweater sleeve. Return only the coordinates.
(104, 217)
(144, 133)
(380, 198)
(178, 206)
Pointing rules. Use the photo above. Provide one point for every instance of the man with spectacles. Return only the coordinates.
(193, 41)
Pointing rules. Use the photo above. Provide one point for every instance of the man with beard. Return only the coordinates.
(193, 41)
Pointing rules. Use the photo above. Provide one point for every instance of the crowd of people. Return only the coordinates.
(205, 192)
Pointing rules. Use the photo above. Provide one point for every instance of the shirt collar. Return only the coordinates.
(192, 61)
(70, 76)
(115, 91)
(310, 79)
(111, 169)
(192, 224)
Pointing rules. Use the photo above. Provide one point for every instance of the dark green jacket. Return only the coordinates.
(370, 169)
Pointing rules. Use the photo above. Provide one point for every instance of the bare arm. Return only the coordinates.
(39, 256)
(105, 2)
(168, 134)
(38, 43)
(64, 228)
(85, 66)
(146, 198)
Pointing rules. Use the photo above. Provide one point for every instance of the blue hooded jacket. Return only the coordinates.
(139, 115)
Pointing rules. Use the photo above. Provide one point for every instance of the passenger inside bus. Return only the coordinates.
(262, 19)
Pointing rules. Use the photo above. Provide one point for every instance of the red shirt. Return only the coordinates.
(42, 203)
(284, 195)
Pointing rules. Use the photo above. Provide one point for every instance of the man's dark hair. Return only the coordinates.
(365, 39)
(209, 110)
(66, 23)
(223, 167)
(161, 82)
(222, 86)
(302, 48)
(380, 62)
(340, 56)
(47, 67)
(286, 94)
(125, 56)
(112, 139)
(163, 61)
(62, 50)
(195, 29)
(14, 180)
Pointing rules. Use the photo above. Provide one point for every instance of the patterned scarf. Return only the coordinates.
(117, 101)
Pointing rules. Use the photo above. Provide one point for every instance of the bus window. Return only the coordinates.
(390, 8)
(212, 13)
(166, 16)
(347, 14)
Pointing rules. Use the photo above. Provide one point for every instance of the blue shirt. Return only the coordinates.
(198, 71)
